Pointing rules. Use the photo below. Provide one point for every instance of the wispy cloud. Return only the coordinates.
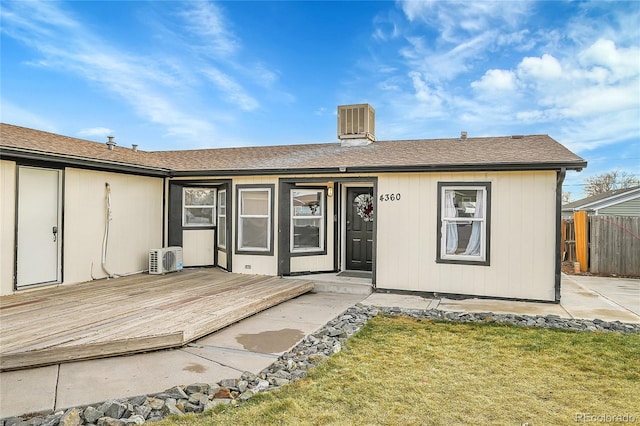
(95, 132)
(578, 82)
(156, 85)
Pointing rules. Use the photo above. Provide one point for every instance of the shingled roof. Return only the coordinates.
(532, 152)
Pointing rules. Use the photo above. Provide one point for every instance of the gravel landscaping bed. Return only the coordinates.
(199, 397)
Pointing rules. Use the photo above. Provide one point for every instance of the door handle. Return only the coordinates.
(55, 233)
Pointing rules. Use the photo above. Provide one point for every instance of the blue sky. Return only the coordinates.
(194, 74)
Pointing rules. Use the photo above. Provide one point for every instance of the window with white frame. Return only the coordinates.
(222, 219)
(254, 219)
(307, 220)
(463, 216)
(198, 206)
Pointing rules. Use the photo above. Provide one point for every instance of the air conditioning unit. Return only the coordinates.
(165, 260)
(356, 122)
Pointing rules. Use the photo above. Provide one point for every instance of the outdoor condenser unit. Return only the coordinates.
(165, 260)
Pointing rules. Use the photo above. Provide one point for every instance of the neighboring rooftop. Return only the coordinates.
(598, 200)
(538, 152)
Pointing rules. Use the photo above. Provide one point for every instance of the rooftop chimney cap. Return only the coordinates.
(111, 143)
(463, 134)
(134, 147)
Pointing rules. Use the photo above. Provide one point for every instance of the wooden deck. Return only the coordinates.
(130, 314)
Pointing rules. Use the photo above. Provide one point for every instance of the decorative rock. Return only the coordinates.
(143, 410)
(71, 418)
(277, 381)
(242, 386)
(136, 419)
(198, 398)
(197, 388)
(170, 407)
(175, 392)
(228, 383)
(113, 409)
(108, 421)
(223, 393)
(262, 385)
(155, 403)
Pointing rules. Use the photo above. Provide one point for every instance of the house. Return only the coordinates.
(450, 216)
(617, 202)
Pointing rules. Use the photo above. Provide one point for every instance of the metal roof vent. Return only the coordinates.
(134, 147)
(463, 135)
(110, 143)
(356, 124)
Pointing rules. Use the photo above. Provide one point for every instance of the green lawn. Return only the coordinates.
(401, 371)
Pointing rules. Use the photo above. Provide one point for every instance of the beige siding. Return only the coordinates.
(522, 256)
(7, 225)
(135, 228)
(197, 247)
(222, 259)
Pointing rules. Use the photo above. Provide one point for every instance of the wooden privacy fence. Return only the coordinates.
(602, 244)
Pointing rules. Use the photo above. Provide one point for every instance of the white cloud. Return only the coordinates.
(620, 63)
(496, 80)
(542, 69)
(234, 91)
(95, 132)
(456, 20)
(206, 20)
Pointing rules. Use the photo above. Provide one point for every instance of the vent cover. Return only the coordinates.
(356, 122)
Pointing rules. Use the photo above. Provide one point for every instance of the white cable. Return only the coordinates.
(105, 240)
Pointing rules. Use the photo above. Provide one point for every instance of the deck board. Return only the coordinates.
(130, 314)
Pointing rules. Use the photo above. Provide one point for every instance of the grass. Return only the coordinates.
(412, 372)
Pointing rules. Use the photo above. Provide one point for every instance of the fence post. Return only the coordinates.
(582, 238)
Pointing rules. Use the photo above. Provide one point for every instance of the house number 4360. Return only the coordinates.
(390, 197)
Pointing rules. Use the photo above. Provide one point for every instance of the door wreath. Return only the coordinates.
(364, 207)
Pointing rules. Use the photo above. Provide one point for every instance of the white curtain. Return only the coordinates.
(473, 248)
(452, 228)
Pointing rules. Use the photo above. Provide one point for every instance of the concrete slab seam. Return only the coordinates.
(55, 391)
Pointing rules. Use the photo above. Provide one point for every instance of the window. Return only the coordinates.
(307, 220)
(463, 222)
(199, 207)
(222, 219)
(254, 219)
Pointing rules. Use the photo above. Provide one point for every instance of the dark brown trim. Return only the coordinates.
(558, 266)
(487, 260)
(60, 161)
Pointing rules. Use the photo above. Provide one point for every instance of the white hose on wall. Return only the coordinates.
(105, 240)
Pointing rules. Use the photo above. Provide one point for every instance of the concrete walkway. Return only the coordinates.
(256, 342)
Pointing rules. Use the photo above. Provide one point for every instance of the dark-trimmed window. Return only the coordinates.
(307, 220)
(198, 206)
(222, 219)
(255, 219)
(464, 222)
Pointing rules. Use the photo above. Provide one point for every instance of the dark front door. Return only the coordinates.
(359, 249)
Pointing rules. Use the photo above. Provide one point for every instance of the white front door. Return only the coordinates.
(39, 226)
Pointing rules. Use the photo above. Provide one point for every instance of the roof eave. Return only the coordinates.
(11, 153)
(577, 165)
